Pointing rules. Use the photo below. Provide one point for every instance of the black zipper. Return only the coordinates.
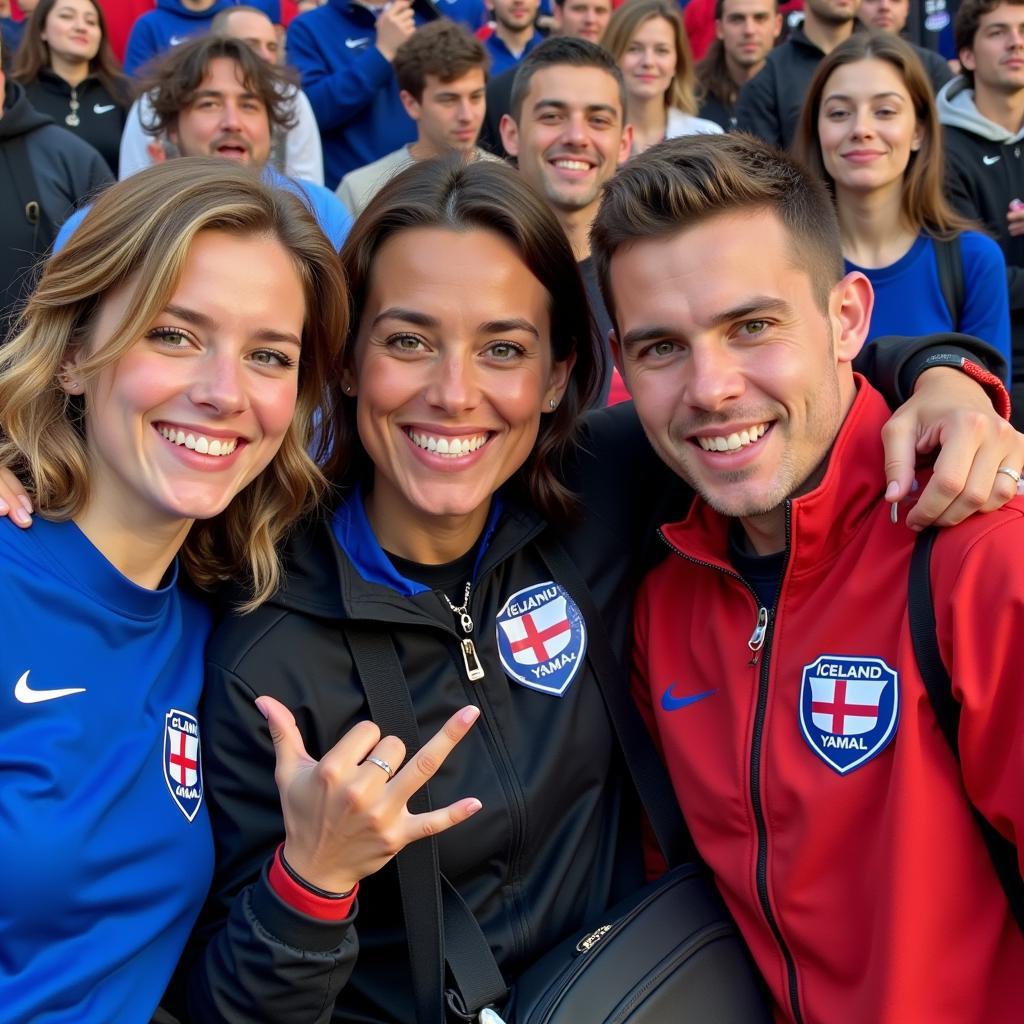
(760, 643)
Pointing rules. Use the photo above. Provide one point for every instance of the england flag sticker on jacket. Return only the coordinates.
(542, 638)
(849, 708)
(182, 771)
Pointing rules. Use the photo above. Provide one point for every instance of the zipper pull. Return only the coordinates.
(474, 670)
(756, 641)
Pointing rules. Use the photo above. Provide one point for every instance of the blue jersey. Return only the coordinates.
(105, 845)
(909, 300)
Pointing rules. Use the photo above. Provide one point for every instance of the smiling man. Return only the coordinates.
(213, 96)
(773, 656)
(567, 130)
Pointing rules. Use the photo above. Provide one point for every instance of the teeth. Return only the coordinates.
(448, 446)
(199, 443)
(573, 165)
(733, 442)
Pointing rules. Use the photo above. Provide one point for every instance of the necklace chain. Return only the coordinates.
(462, 611)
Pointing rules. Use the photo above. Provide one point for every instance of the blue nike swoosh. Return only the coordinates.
(670, 703)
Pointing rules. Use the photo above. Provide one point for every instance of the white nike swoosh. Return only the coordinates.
(353, 43)
(989, 160)
(177, 40)
(104, 108)
(25, 695)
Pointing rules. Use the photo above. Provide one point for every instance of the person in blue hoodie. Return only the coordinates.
(174, 21)
(214, 96)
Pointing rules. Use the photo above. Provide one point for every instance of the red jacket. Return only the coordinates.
(812, 772)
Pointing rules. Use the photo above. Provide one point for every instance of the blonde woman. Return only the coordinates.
(648, 42)
(157, 400)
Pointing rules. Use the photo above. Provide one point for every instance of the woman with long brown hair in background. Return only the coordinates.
(70, 73)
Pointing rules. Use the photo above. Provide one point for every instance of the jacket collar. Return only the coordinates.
(822, 521)
(320, 577)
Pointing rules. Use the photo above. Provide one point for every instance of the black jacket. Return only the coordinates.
(45, 173)
(769, 104)
(101, 115)
(557, 839)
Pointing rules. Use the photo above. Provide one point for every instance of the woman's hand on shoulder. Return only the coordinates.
(14, 502)
(345, 816)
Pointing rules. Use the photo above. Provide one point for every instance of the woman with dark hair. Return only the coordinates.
(648, 42)
(70, 73)
(869, 128)
(469, 361)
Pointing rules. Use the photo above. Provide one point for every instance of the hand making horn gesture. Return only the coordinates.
(345, 816)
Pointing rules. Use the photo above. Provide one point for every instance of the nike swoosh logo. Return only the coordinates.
(102, 108)
(176, 40)
(989, 160)
(670, 703)
(353, 43)
(26, 695)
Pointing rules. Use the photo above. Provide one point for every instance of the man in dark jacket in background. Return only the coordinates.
(45, 172)
(982, 113)
(769, 104)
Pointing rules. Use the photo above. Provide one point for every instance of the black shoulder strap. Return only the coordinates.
(951, 276)
(387, 694)
(424, 890)
(939, 686)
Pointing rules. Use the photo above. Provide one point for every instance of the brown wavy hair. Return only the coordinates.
(924, 206)
(138, 235)
(488, 196)
(34, 54)
(625, 23)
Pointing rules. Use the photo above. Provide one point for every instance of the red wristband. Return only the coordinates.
(995, 388)
(298, 897)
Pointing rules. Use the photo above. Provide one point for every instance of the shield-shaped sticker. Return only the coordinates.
(183, 771)
(849, 708)
(542, 638)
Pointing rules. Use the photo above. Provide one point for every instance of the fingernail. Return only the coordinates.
(22, 517)
(473, 806)
(4, 507)
(469, 715)
(914, 485)
(892, 488)
(26, 504)
(261, 707)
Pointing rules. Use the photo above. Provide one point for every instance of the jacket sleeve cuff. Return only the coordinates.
(958, 359)
(297, 896)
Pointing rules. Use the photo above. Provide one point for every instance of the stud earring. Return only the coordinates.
(552, 404)
(348, 389)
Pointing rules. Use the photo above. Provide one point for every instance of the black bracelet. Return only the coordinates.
(309, 887)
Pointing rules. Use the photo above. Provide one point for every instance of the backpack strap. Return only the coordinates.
(950, 265)
(939, 687)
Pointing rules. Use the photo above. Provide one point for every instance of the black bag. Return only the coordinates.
(670, 952)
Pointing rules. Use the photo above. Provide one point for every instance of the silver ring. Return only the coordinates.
(1011, 473)
(381, 764)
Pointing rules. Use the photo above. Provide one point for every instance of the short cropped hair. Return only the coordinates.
(442, 49)
(558, 50)
(965, 25)
(683, 182)
(173, 80)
